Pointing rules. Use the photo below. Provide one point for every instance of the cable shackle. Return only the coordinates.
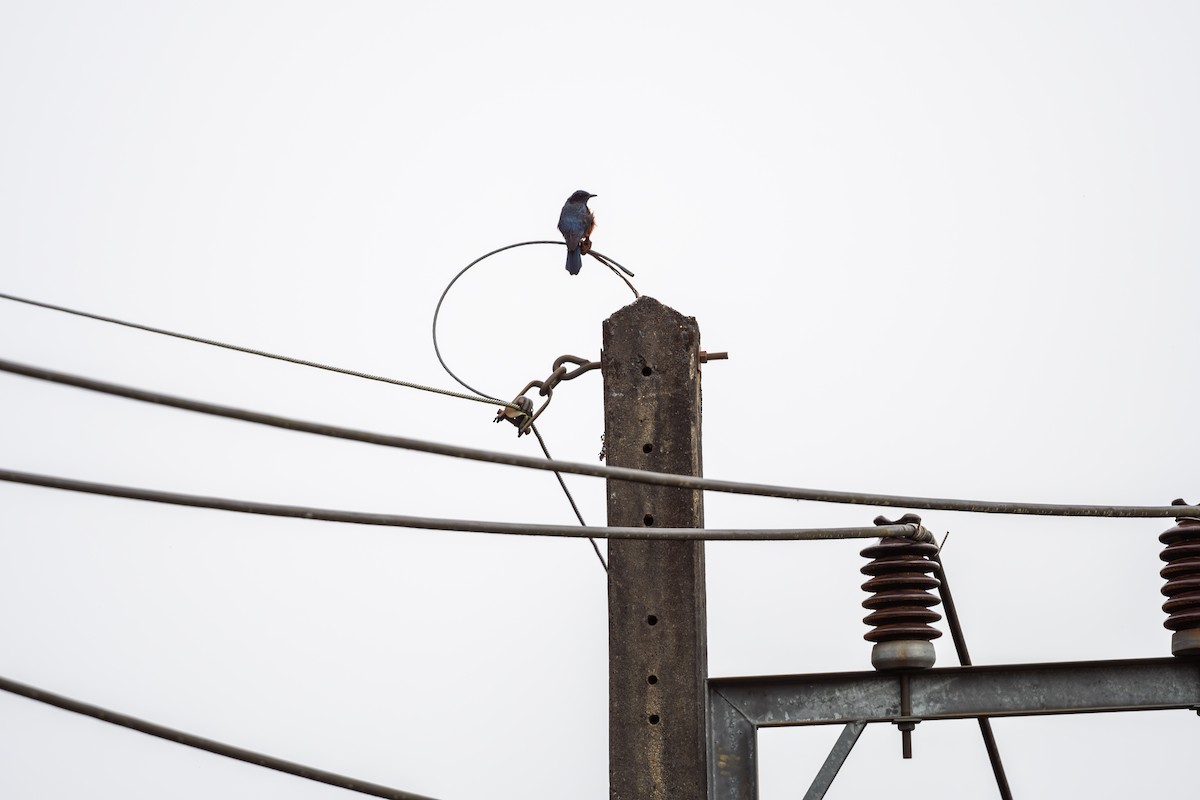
(520, 412)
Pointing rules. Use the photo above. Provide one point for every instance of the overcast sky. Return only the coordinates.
(950, 247)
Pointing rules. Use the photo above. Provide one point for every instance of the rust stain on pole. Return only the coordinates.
(658, 651)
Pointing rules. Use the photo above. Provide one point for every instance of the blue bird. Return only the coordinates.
(575, 223)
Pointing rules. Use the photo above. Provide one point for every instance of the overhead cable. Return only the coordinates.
(201, 743)
(253, 352)
(595, 470)
(460, 525)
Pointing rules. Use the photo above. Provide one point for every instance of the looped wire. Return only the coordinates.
(517, 411)
(603, 259)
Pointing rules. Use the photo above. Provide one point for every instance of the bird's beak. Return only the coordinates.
(593, 195)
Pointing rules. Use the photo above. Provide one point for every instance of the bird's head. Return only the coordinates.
(580, 197)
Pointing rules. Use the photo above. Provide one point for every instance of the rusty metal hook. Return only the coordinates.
(524, 416)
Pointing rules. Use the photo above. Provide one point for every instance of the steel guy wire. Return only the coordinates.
(597, 471)
(251, 351)
(907, 530)
(201, 743)
(570, 498)
(238, 348)
(477, 396)
(612, 265)
(964, 659)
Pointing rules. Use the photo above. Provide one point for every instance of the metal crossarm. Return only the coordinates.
(738, 707)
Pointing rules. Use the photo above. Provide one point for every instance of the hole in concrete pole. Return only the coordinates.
(647, 448)
(648, 520)
(651, 620)
(654, 719)
(646, 371)
(652, 679)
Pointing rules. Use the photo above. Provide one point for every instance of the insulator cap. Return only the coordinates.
(1182, 589)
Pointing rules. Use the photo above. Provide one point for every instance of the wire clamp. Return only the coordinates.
(516, 412)
(523, 416)
(920, 532)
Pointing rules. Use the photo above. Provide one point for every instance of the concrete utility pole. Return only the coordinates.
(657, 629)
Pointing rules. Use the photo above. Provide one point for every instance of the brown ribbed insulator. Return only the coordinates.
(1182, 573)
(901, 602)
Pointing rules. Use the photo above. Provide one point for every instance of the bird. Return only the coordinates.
(575, 223)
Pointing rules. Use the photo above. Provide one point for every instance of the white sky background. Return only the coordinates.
(951, 249)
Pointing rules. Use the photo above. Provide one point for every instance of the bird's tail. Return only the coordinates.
(574, 262)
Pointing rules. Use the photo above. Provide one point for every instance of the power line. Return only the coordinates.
(477, 396)
(593, 470)
(201, 743)
(458, 525)
(253, 352)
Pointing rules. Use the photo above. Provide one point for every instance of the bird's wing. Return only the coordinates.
(572, 226)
